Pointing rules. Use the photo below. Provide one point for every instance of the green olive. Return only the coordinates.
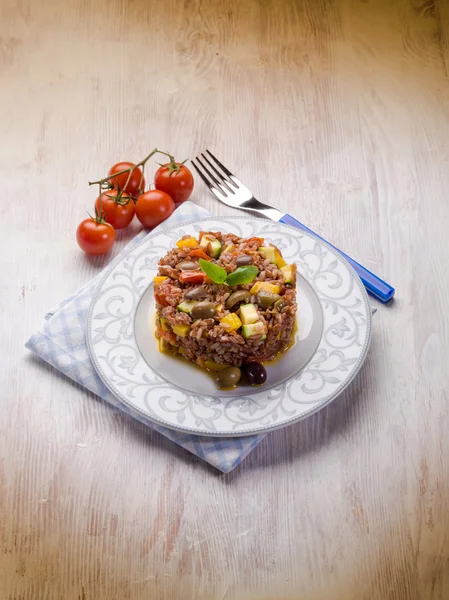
(229, 377)
(279, 304)
(197, 293)
(188, 265)
(203, 310)
(239, 296)
(265, 298)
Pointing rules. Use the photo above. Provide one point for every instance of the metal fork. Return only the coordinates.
(231, 191)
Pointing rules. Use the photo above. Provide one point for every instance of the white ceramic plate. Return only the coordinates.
(331, 342)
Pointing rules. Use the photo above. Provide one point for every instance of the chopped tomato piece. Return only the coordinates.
(200, 254)
(160, 298)
(258, 240)
(192, 277)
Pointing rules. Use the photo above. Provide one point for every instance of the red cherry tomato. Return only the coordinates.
(176, 180)
(119, 213)
(136, 183)
(192, 277)
(95, 236)
(153, 207)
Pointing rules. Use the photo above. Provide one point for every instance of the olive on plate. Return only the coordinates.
(228, 377)
(256, 373)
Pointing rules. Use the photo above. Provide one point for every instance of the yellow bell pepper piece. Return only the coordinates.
(181, 330)
(165, 325)
(268, 287)
(280, 262)
(165, 347)
(231, 322)
(187, 243)
(159, 279)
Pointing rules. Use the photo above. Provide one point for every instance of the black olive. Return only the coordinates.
(244, 260)
(188, 265)
(229, 377)
(256, 373)
(197, 293)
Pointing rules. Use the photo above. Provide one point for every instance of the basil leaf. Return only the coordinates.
(242, 275)
(213, 271)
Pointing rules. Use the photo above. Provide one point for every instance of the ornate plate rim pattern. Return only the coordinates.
(123, 326)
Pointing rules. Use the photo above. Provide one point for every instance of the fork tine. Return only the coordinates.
(218, 183)
(222, 167)
(229, 184)
(210, 185)
(201, 174)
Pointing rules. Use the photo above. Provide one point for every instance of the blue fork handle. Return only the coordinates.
(375, 286)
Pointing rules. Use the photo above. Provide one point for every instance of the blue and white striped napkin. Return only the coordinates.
(62, 343)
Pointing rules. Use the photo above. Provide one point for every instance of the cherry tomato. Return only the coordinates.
(135, 183)
(153, 207)
(192, 277)
(118, 214)
(176, 180)
(94, 236)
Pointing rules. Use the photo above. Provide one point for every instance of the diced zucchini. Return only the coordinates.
(231, 322)
(211, 245)
(262, 285)
(269, 252)
(248, 314)
(215, 249)
(186, 306)
(280, 262)
(273, 255)
(159, 279)
(229, 248)
(253, 330)
(289, 272)
(181, 330)
(189, 242)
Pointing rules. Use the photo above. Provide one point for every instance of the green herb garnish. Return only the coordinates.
(241, 275)
(213, 271)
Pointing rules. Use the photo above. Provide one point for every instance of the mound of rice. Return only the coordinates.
(210, 341)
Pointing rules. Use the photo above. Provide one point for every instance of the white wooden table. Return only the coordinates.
(335, 111)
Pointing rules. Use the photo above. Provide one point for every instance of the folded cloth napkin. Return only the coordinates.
(62, 343)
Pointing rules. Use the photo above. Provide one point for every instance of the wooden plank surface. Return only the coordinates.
(335, 110)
